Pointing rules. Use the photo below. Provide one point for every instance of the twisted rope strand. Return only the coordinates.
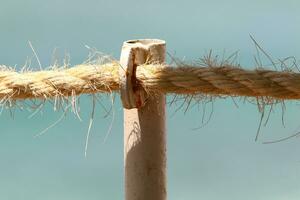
(64, 82)
(90, 78)
(224, 80)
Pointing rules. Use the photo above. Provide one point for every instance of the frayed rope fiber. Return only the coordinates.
(91, 78)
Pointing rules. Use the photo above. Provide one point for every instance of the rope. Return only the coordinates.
(90, 78)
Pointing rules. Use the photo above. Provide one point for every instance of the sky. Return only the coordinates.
(220, 160)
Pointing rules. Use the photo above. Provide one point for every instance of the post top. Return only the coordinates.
(145, 43)
(135, 53)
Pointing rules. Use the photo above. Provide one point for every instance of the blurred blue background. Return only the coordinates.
(219, 161)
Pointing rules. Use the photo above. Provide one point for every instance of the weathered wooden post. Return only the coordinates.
(144, 124)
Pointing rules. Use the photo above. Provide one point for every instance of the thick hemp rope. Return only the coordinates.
(92, 78)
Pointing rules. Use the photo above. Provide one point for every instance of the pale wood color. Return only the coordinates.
(144, 128)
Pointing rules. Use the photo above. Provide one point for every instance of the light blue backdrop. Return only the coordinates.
(218, 161)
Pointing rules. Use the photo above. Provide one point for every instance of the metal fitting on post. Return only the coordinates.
(135, 53)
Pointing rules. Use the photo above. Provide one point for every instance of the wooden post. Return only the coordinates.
(144, 124)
